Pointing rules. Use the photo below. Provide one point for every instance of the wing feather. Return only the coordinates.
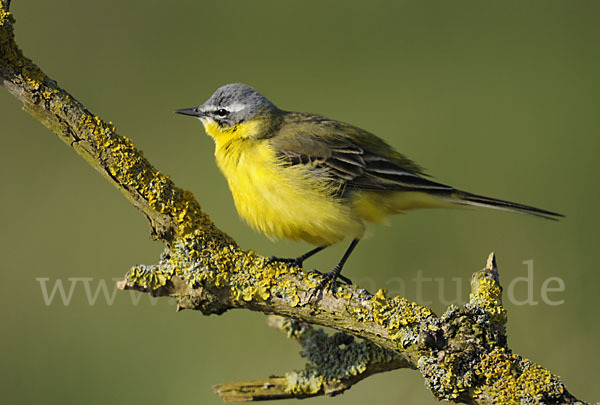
(352, 157)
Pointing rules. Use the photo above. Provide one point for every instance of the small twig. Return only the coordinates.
(334, 364)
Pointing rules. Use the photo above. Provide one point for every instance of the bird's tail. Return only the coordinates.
(464, 198)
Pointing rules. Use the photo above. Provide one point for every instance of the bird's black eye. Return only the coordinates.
(221, 112)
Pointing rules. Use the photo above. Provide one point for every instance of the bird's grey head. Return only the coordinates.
(230, 105)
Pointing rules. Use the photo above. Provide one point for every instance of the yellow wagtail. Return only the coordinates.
(303, 176)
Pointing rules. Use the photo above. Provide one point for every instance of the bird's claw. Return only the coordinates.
(329, 275)
(327, 283)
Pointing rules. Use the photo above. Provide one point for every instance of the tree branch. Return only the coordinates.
(462, 355)
(351, 360)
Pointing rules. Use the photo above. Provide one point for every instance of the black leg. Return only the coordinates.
(333, 275)
(297, 261)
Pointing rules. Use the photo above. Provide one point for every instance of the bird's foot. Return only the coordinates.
(334, 274)
(328, 282)
(293, 261)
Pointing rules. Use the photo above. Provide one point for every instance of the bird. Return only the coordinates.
(303, 176)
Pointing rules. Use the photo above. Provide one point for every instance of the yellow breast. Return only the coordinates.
(282, 202)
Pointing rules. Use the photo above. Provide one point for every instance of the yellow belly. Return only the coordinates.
(284, 202)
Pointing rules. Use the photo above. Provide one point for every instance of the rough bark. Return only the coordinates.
(462, 354)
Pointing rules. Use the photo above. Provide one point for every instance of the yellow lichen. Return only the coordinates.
(33, 76)
(5, 17)
(150, 277)
(488, 294)
(128, 166)
(509, 378)
(394, 313)
(299, 383)
(207, 257)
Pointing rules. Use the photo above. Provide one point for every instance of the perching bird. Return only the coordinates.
(306, 177)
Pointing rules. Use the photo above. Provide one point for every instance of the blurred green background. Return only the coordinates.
(497, 98)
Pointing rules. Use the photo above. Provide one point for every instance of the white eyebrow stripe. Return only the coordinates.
(235, 107)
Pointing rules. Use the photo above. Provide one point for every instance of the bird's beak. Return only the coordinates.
(193, 112)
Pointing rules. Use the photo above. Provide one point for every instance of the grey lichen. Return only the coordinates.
(332, 361)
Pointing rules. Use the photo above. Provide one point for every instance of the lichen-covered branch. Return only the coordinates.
(462, 355)
(334, 364)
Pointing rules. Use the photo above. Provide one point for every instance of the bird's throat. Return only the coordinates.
(251, 129)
